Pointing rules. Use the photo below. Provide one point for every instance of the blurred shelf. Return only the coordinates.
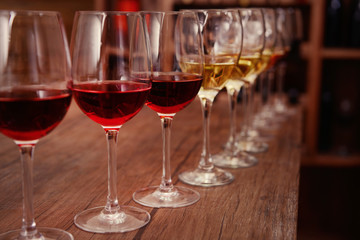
(330, 53)
(331, 160)
(341, 53)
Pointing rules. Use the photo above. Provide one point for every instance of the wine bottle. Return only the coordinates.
(334, 11)
(355, 25)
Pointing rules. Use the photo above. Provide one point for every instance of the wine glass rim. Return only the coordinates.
(162, 12)
(251, 9)
(94, 12)
(31, 12)
(149, 11)
(211, 10)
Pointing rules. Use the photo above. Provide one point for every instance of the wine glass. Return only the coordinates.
(252, 63)
(177, 64)
(34, 96)
(271, 120)
(222, 36)
(111, 81)
(286, 28)
(231, 156)
(263, 119)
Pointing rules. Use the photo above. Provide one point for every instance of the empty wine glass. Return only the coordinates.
(34, 96)
(111, 81)
(222, 36)
(177, 64)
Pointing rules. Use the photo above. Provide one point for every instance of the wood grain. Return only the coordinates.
(70, 175)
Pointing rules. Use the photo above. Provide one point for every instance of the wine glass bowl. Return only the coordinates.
(177, 64)
(111, 82)
(34, 95)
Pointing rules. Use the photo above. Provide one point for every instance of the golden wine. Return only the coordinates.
(191, 67)
(247, 65)
(245, 71)
(264, 61)
(275, 57)
(236, 80)
(216, 76)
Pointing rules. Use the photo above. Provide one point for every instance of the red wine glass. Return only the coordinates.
(175, 42)
(111, 81)
(34, 96)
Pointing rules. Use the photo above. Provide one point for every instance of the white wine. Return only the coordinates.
(217, 72)
(264, 61)
(275, 57)
(244, 71)
(248, 65)
(216, 76)
(236, 80)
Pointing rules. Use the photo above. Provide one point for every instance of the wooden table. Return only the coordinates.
(70, 175)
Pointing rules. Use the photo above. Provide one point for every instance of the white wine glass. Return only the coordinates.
(177, 65)
(222, 36)
(263, 120)
(252, 63)
(35, 71)
(286, 27)
(232, 156)
(111, 82)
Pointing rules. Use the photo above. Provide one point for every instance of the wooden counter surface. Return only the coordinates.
(70, 175)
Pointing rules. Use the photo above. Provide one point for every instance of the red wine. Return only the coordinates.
(111, 103)
(29, 114)
(171, 92)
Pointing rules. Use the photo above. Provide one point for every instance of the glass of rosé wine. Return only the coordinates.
(177, 65)
(111, 82)
(35, 71)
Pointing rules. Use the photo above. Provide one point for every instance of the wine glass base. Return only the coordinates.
(178, 197)
(45, 234)
(227, 159)
(127, 219)
(252, 146)
(267, 125)
(206, 178)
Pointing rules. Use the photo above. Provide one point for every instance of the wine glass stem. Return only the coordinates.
(232, 95)
(251, 106)
(263, 94)
(280, 81)
(166, 183)
(112, 204)
(270, 78)
(28, 229)
(206, 161)
(246, 106)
